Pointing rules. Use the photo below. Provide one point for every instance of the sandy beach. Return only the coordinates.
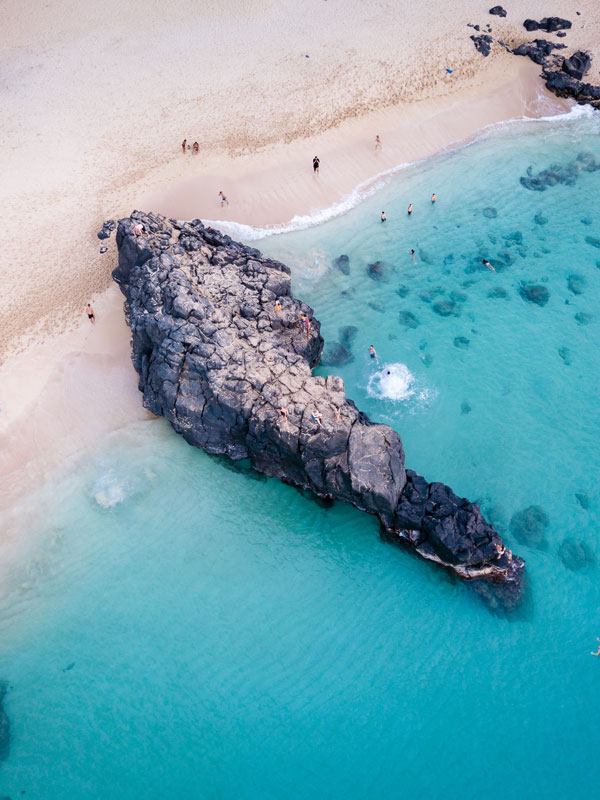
(97, 101)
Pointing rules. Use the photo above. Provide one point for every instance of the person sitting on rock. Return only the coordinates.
(283, 412)
(139, 230)
(317, 418)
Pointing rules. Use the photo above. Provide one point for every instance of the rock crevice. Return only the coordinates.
(225, 353)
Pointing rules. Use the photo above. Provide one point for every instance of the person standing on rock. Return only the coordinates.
(184, 145)
(90, 313)
(316, 163)
(277, 307)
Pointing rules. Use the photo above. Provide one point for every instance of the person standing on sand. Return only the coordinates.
(184, 145)
(316, 163)
(383, 216)
(224, 200)
(433, 198)
(410, 209)
(378, 144)
(195, 147)
(90, 313)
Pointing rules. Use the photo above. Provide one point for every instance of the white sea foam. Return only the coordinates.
(109, 490)
(396, 383)
(365, 189)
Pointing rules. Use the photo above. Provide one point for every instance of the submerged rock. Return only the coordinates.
(529, 526)
(348, 335)
(583, 500)
(403, 291)
(576, 283)
(565, 354)
(534, 293)
(540, 219)
(576, 554)
(234, 377)
(408, 319)
(490, 212)
(465, 408)
(343, 264)
(583, 318)
(595, 242)
(336, 355)
(376, 271)
(461, 342)
(446, 308)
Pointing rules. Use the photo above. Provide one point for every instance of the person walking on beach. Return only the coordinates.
(224, 200)
(90, 313)
(378, 144)
(383, 216)
(433, 198)
(487, 264)
(184, 145)
(195, 148)
(316, 163)
(410, 209)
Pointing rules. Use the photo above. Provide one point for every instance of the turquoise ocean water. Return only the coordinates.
(182, 630)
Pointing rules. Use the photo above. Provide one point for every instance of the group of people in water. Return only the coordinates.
(410, 210)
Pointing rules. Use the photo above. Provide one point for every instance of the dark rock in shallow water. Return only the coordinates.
(540, 219)
(583, 500)
(490, 212)
(348, 335)
(465, 408)
(498, 11)
(593, 241)
(403, 291)
(376, 306)
(534, 293)
(498, 293)
(483, 43)
(446, 308)
(408, 319)
(576, 283)
(514, 238)
(235, 378)
(529, 526)
(583, 318)
(336, 355)
(565, 354)
(458, 296)
(343, 264)
(577, 65)
(4, 724)
(576, 555)
(586, 221)
(461, 342)
(376, 271)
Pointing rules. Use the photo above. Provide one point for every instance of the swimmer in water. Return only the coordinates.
(383, 216)
(373, 353)
(412, 252)
(410, 209)
(433, 198)
(487, 264)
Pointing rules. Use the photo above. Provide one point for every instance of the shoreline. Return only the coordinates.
(52, 381)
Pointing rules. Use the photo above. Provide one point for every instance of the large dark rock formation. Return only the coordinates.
(225, 353)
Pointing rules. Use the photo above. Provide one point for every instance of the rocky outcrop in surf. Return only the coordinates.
(225, 352)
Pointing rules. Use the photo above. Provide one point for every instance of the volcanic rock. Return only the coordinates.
(234, 376)
(497, 11)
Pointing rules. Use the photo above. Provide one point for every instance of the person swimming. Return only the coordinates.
(487, 264)
(410, 209)
(383, 216)
(412, 253)
(433, 198)
(373, 353)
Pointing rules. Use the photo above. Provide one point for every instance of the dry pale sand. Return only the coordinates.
(96, 99)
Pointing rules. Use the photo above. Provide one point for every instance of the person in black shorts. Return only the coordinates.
(316, 163)
(90, 312)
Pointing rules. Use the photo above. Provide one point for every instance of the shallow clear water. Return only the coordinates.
(180, 630)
